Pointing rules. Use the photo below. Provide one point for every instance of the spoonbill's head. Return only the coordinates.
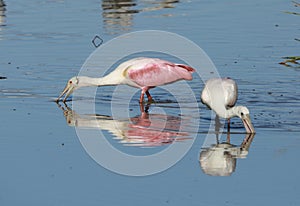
(72, 84)
(243, 113)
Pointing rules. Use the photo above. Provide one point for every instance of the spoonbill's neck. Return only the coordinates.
(102, 81)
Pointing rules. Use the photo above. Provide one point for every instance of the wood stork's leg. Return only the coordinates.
(217, 124)
(228, 125)
(228, 137)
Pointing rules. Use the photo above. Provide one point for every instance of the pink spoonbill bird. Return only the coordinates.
(144, 73)
(220, 95)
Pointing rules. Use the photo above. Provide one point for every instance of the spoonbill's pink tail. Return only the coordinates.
(188, 68)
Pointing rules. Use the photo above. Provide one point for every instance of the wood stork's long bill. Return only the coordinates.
(248, 124)
(238, 111)
(243, 113)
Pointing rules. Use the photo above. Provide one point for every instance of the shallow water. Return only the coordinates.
(44, 43)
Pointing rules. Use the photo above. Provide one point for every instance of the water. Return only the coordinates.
(44, 43)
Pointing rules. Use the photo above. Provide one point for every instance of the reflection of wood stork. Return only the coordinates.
(143, 73)
(220, 159)
(144, 130)
(220, 95)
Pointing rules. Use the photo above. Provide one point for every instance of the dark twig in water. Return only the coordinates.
(296, 58)
(294, 13)
(2, 4)
(290, 60)
(296, 3)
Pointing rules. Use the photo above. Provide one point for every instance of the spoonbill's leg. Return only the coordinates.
(144, 112)
(142, 97)
(145, 91)
(142, 108)
(149, 96)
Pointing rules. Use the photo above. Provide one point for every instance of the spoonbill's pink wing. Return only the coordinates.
(158, 73)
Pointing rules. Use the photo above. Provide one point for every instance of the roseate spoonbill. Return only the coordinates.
(220, 95)
(144, 73)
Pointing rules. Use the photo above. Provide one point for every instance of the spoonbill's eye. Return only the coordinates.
(242, 113)
(70, 82)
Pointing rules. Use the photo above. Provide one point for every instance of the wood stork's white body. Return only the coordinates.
(220, 95)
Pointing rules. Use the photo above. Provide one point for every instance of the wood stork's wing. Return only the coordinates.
(230, 91)
(219, 94)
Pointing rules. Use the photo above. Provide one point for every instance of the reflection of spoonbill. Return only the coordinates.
(143, 73)
(144, 130)
(221, 95)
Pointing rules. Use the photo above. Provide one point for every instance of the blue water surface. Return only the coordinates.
(44, 43)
